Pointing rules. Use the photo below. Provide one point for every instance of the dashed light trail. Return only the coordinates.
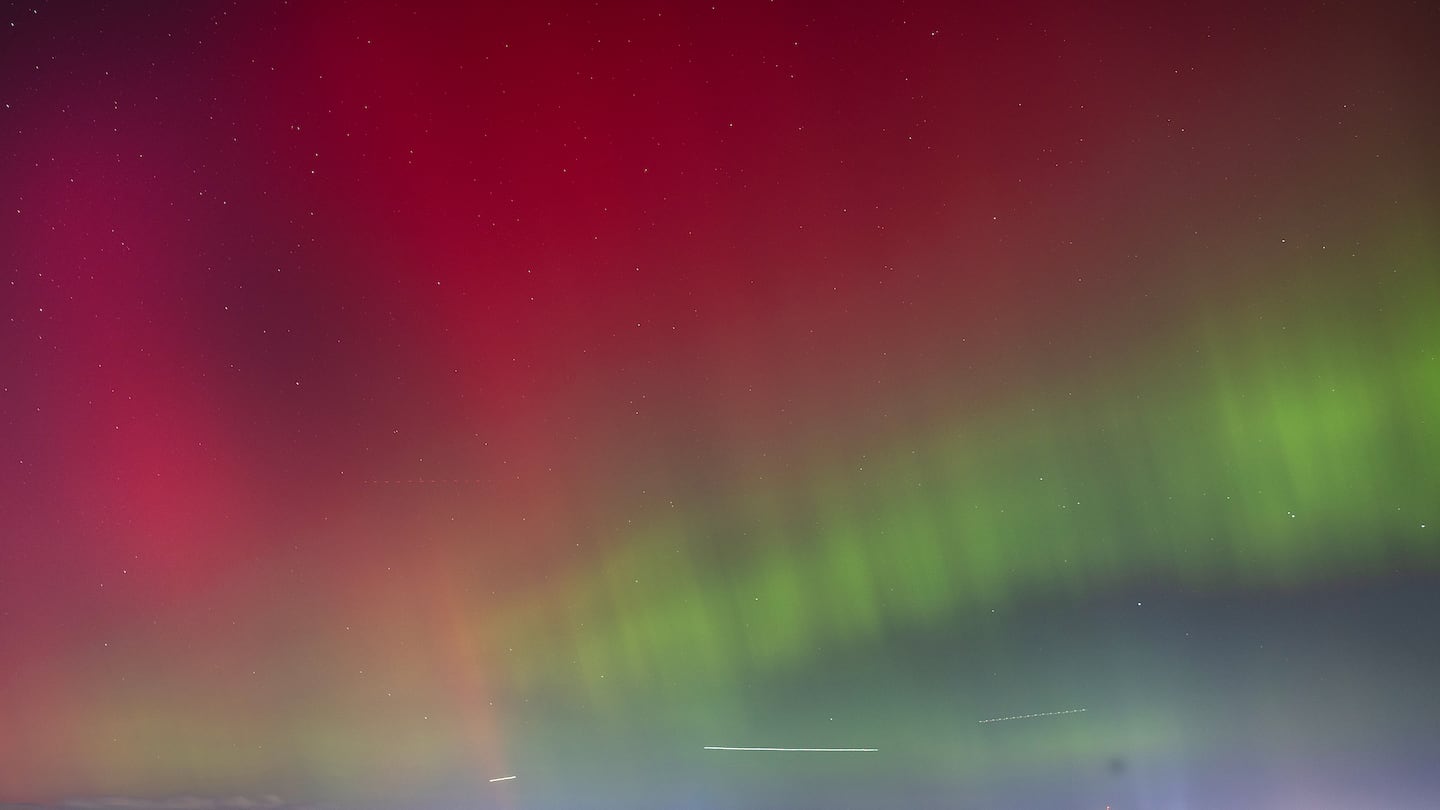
(811, 750)
(1028, 716)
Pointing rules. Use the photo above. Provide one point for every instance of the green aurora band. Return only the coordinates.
(1275, 443)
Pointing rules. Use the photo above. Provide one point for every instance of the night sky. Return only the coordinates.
(400, 397)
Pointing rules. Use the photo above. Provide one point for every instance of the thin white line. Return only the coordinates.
(813, 750)
(502, 779)
(1028, 716)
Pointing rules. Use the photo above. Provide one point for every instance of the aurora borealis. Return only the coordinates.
(399, 398)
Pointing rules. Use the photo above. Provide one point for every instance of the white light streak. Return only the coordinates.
(1028, 716)
(810, 750)
(502, 779)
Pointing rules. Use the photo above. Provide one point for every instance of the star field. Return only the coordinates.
(748, 404)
